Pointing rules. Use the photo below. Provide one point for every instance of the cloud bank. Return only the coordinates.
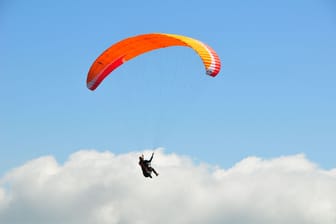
(94, 187)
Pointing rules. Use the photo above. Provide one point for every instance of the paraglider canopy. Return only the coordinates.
(131, 47)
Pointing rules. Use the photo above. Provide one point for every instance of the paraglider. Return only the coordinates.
(146, 167)
(131, 47)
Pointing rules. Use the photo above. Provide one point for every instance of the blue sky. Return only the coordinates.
(275, 94)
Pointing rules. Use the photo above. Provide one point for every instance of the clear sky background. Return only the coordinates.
(275, 95)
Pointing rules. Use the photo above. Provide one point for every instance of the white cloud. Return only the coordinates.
(101, 187)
